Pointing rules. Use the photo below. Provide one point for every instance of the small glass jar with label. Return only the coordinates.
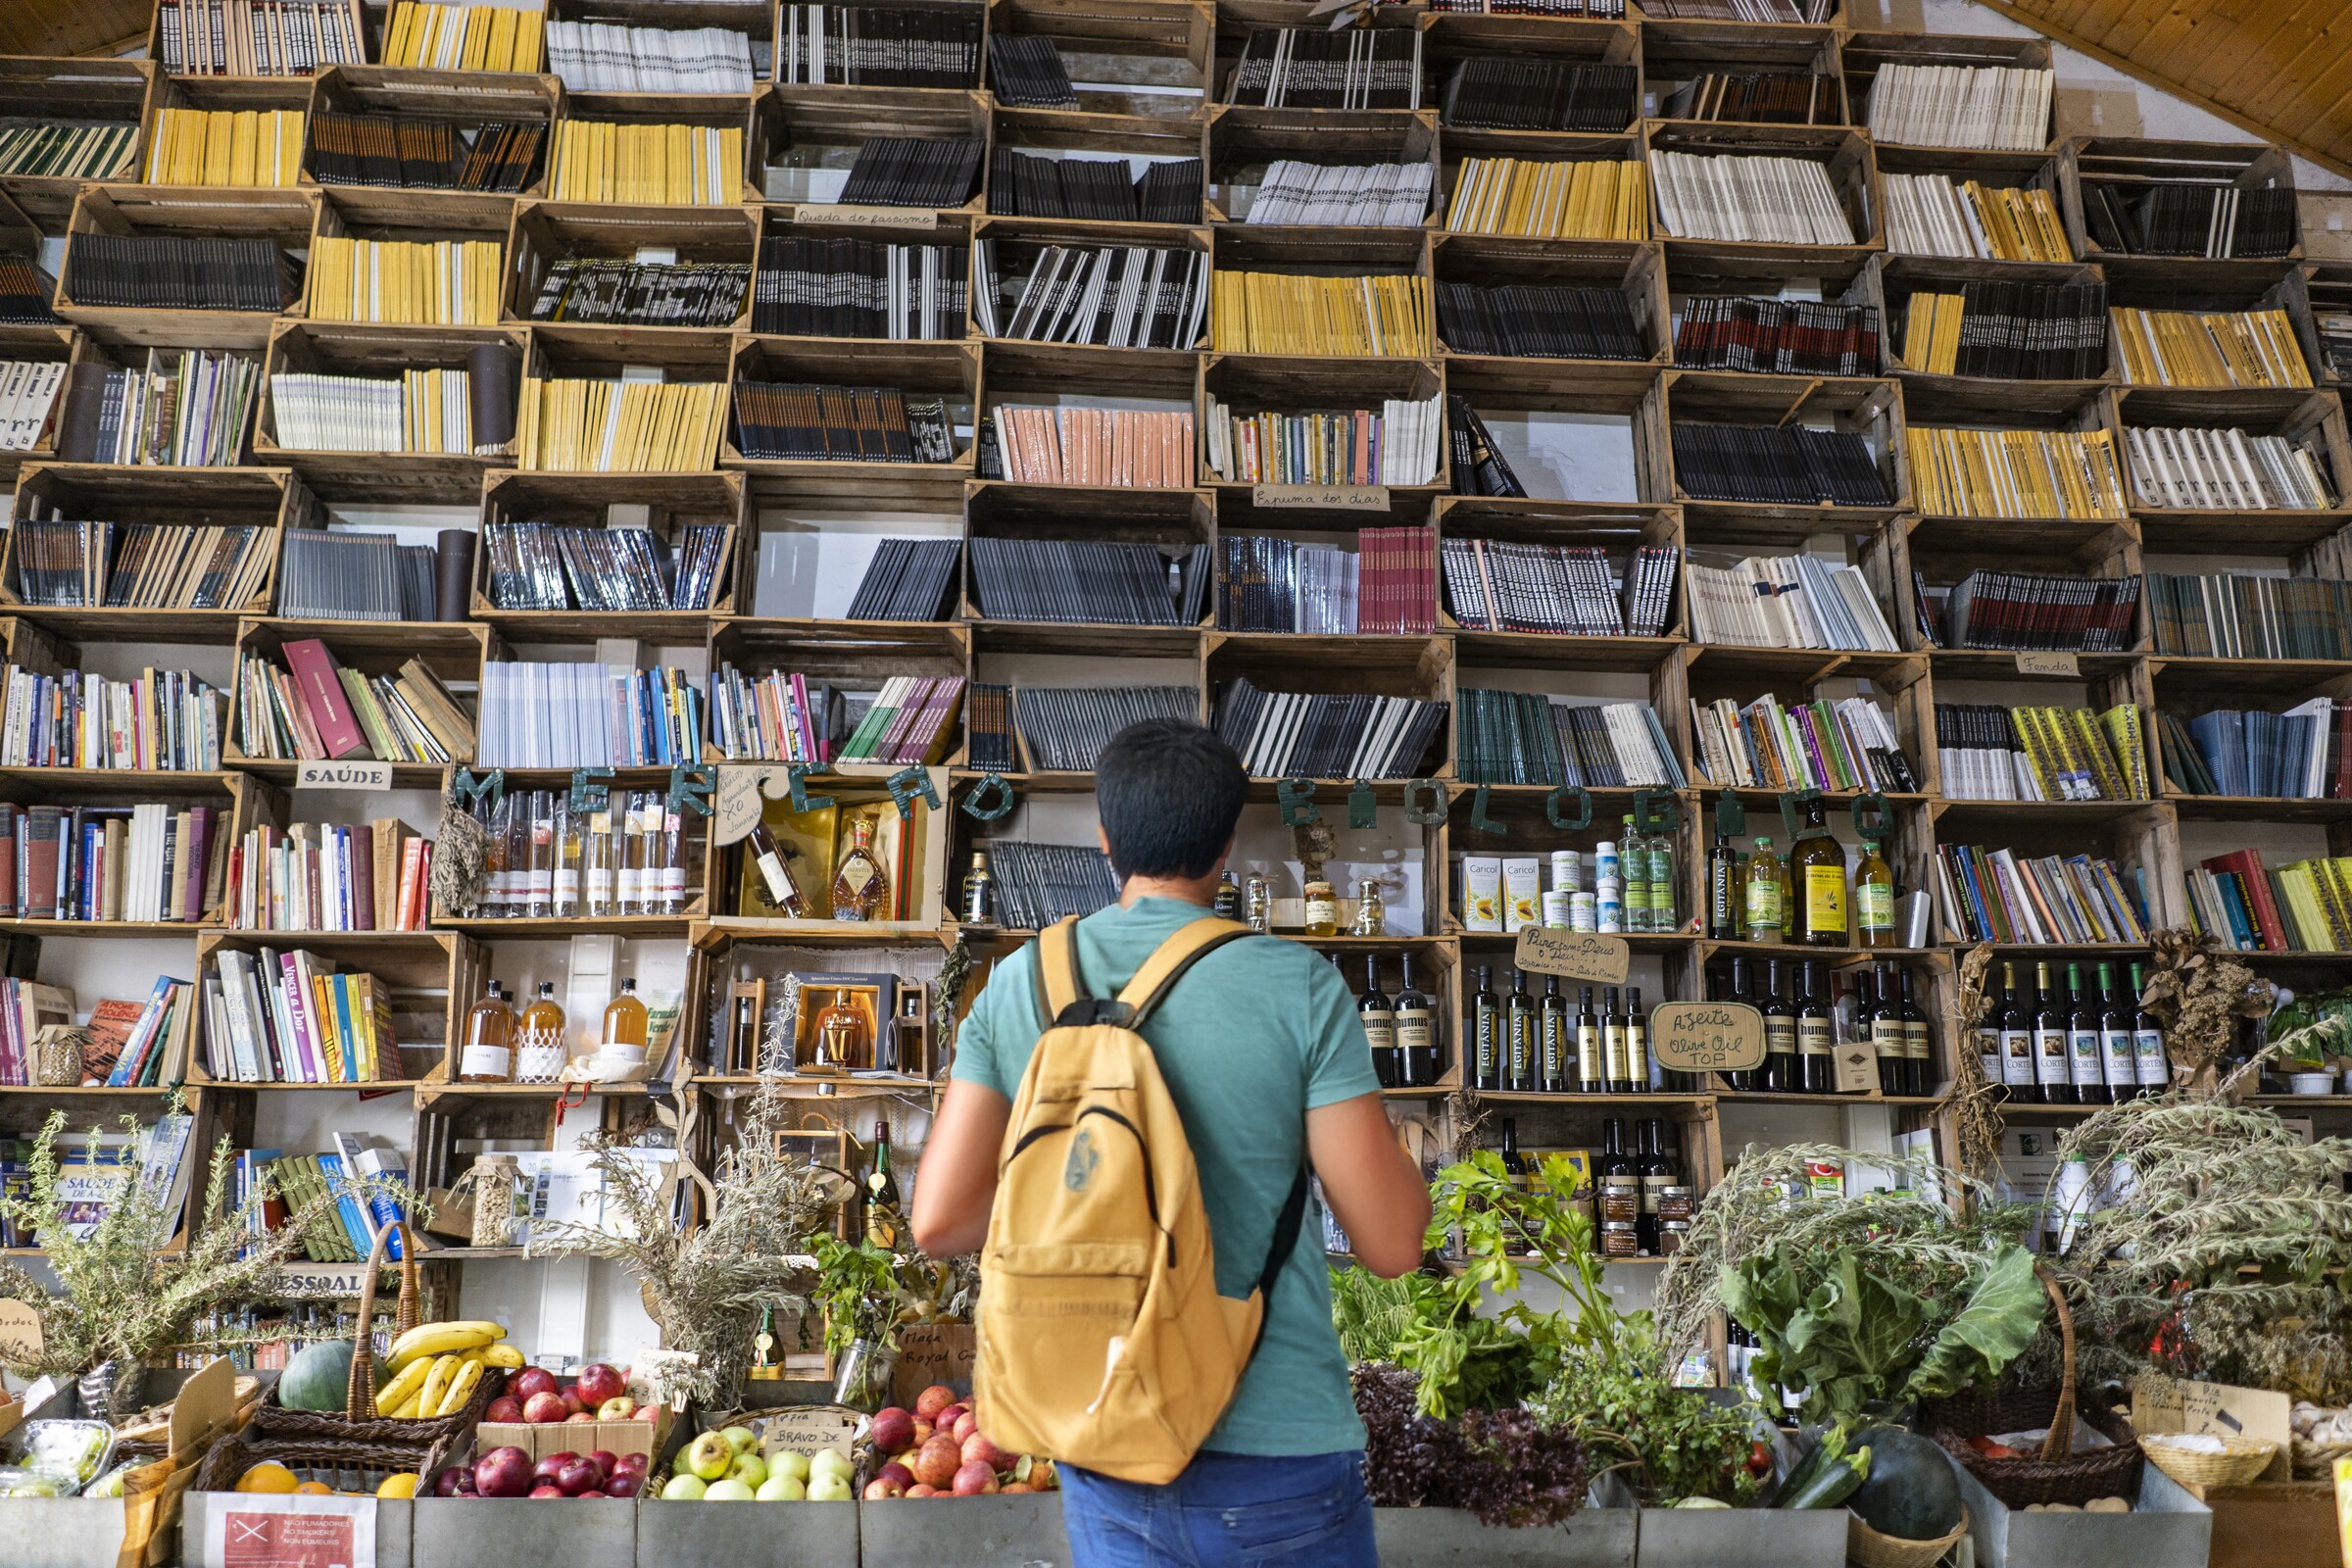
(1371, 915)
(1259, 903)
(1672, 1234)
(1675, 1202)
(1617, 1239)
(1620, 1200)
(1322, 909)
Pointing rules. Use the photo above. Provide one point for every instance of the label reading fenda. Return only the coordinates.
(2048, 664)
(1707, 1036)
(1572, 955)
(344, 775)
(846, 215)
(1320, 497)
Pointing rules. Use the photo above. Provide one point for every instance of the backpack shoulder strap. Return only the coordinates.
(1058, 983)
(1170, 959)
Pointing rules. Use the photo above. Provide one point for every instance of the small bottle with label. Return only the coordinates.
(978, 902)
(1228, 904)
(861, 887)
(775, 873)
(673, 855)
(487, 1055)
(1761, 907)
(1259, 903)
(1322, 909)
(625, 1023)
(1371, 915)
(628, 856)
(540, 891)
(597, 873)
(541, 1053)
(567, 861)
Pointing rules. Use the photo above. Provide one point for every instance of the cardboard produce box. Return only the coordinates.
(539, 1438)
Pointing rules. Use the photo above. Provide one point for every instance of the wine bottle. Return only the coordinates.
(1379, 1018)
(1992, 1057)
(2052, 1069)
(1817, 872)
(1723, 891)
(1885, 1033)
(1552, 1038)
(1612, 1040)
(1743, 989)
(2152, 1068)
(1591, 1065)
(1781, 1073)
(1486, 1033)
(2019, 1079)
(1637, 1046)
(2083, 1041)
(1815, 1039)
(1919, 1051)
(2117, 1061)
(1519, 1037)
(1420, 1053)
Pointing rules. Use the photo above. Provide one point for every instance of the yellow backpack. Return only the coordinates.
(1102, 1341)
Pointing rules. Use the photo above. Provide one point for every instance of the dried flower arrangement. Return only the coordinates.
(2197, 993)
(1976, 1100)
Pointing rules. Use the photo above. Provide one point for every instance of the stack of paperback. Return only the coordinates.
(424, 410)
(447, 283)
(157, 1050)
(1025, 72)
(2209, 348)
(1789, 465)
(464, 37)
(1527, 92)
(2032, 610)
(2225, 470)
(1544, 199)
(1123, 296)
(2302, 907)
(603, 293)
(152, 862)
(1089, 185)
(1288, 313)
(28, 391)
(1478, 467)
(1539, 319)
(1396, 446)
(1756, 98)
(140, 565)
(345, 1193)
(1528, 738)
(317, 876)
(2233, 616)
(620, 426)
(1303, 68)
(288, 1018)
(908, 579)
(188, 408)
(2000, 106)
(1038, 884)
(912, 172)
(587, 715)
(1342, 195)
(1786, 602)
(402, 154)
(878, 46)
(687, 166)
(1276, 584)
(26, 292)
(172, 271)
(315, 708)
(2014, 474)
(1125, 448)
(1775, 337)
(1779, 201)
(1065, 728)
(2012, 331)
(226, 147)
(1568, 590)
(1993, 896)
(2304, 754)
(50, 149)
(1927, 215)
(606, 57)
(1292, 735)
(911, 719)
(1845, 745)
(796, 422)
(1990, 752)
(1087, 581)
(988, 728)
(2213, 222)
(547, 565)
(343, 576)
(163, 721)
(813, 286)
(238, 38)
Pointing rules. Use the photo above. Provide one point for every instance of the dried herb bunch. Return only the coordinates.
(1976, 1101)
(120, 1300)
(2212, 1254)
(1508, 1467)
(2198, 992)
(705, 1286)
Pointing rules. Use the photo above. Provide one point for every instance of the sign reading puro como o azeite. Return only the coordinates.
(1572, 954)
(1706, 1036)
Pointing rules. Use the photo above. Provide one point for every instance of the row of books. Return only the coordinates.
(1929, 215)
(347, 1194)
(157, 862)
(140, 565)
(423, 412)
(2075, 900)
(2169, 218)
(1038, 884)
(289, 1017)
(26, 292)
(1381, 587)
(1789, 465)
(2304, 906)
(817, 286)
(687, 166)
(1549, 198)
(1850, 744)
(28, 397)
(242, 147)
(2208, 348)
(547, 566)
(1990, 752)
(2014, 474)
(618, 426)
(1396, 445)
(535, 714)
(611, 57)
(344, 574)
(2041, 610)
(172, 271)
(1025, 72)
(913, 171)
(1140, 448)
(1301, 67)
(2304, 754)
(1288, 312)
(28, 1006)
(1782, 201)
(2234, 615)
(604, 293)
(1756, 97)
(466, 37)
(325, 876)
(1122, 297)
(1063, 729)
(796, 421)
(1088, 581)
(1476, 465)
(2225, 470)
(1786, 602)
(1567, 590)
(256, 37)
(307, 706)
(1505, 737)
(1029, 185)
(908, 579)
(2004, 108)
(1298, 735)
(2009, 332)
(443, 282)
(162, 1040)
(185, 408)
(49, 149)
(877, 46)
(1546, 321)
(911, 719)
(1343, 195)
(1775, 337)
(1532, 92)
(393, 152)
(160, 720)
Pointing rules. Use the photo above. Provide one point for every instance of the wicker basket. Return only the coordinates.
(358, 1422)
(2316, 1461)
(57, 1055)
(2240, 1460)
(2060, 1473)
(1872, 1550)
(343, 1464)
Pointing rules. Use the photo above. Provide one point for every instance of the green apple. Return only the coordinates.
(743, 1440)
(748, 1468)
(830, 1462)
(710, 1455)
(829, 1487)
(785, 1462)
(682, 1488)
(780, 1488)
(727, 1490)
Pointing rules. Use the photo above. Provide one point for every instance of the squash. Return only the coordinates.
(319, 1377)
(1912, 1494)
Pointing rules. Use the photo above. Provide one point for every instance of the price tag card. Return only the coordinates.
(345, 775)
(1572, 954)
(1707, 1036)
(2048, 664)
(1320, 497)
(1857, 1067)
(842, 216)
(737, 804)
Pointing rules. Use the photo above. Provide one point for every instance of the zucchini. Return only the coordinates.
(1836, 1481)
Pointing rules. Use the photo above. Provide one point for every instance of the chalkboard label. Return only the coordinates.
(1707, 1036)
(1572, 954)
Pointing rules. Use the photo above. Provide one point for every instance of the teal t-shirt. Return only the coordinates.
(1256, 1035)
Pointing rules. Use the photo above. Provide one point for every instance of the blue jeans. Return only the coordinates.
(1227, 1510)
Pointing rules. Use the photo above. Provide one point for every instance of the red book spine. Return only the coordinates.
(321, 692)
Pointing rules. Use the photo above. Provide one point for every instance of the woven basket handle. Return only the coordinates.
(358, 1395)
(2060, 1443)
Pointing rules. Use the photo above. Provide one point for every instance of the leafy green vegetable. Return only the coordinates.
(1995, 1325)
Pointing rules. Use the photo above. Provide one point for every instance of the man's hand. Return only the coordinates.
(957, 1181)
(1373, 1188)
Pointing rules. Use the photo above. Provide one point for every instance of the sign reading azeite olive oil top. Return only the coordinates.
(1707, 1036)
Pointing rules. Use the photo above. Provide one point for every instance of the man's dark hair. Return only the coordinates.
(1168, 794)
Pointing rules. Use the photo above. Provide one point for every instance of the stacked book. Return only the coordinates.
(161, 1041)
(464, 37)
(1565, 590)
(1927, 215)
(1791, 465)
(1594, 9)
(783, 718)
(1294, 735)
(169, 271)
(1550, 197)
(1542, 321)
(2211, 222)
(26, 292)
(1090, 185)
(812, 286)
(2073, 901)
(2035, 609)
(163, 721)
(226, 147)
(1122, 297)
(50, 149)
(1523, 92)
(547, 566)
(1991, 752)
(913, 171)
(402, 154)
(1781, 201)
(346, 575)
(688, 166)
(1343, 195)
(319, 876)
(1786, 602)
(1381, 587)
(908, 579)
(2301, 907)
(28, 393)
(1814, 12)
(2229, 615)
(1846, 745)
(1756, 97)
(2198, 468)
(312, 707)
(1313, 68)
(141, 566)
(1064, 728)
(878, 46)
(1528, 738)
(2005, 108)
(1125, 448)
(1775, 337)
(587, 715)
(1088, 581)
(2304, 754)
(189, 408)
(2010, 332)
(26, 1007)
(1478, 467)
(2209, 348)
(609, 293)
(618, 426)
(158, 862)
(988, 728)
(1038, 884)
(1293, 313)
(424, 411)
(1025, 72)
(2014, 474)
(409, 283)
(608, 57)
(238, 38)
(288, 1018)
(1394, 446)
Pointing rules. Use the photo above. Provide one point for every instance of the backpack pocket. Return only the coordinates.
(1062, 1311)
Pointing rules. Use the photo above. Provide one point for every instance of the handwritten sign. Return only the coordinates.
(2162, 1404)
(2048, 664)
(19, 1333)
(805, 1428)
(1320, 497)
(346, 775)
(1707, 1036)
(849, 216)
(1572, 954)
(929, 1353)
(741, 794)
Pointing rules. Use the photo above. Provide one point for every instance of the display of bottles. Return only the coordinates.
(1228, 904)
(540, 1052)
(885, 1221)
(2152, 1068)
(1817, 875)
(1762, 905)
(1816, 1037)
(624, 1020)
(544, 861)
(1992, 1057)
(1874, 898)
(1633, 868)
(2053, 1072)
(861, 887)
(1919, 1053)
(1613, 1160)
(844, 1040)
(1743, 989)
(1520, 1049)
(1633, 1077)
(1378, 1014)
(1486, 1033)
(2117, 1060)
(1592, 1060)
(1783, 1072)
(2083, 1041)
(775, 873)
(1553, 1042)
(1420, 1051)
(977, 905)
(2018, 1079)
(486, 1055)
(1612, 1041)
(1723, 891)
(1657, 1172)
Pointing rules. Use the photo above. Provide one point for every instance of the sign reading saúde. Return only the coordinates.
(1572, 954)
(1707, 1036)
(345, 775)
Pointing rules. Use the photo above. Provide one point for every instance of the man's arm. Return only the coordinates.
(957, 1181)
(1374, 1188)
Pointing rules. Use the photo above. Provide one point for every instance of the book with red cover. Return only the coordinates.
(111, 1023)
(322, 691)
(42, 825)
(2247, 865)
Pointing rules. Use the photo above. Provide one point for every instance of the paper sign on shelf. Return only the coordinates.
(1320, 497)
(2162, 1404)
(344, 775)
(850, 216)
(1857, 1067)
(2048, 664)
(1706, 1036)
(1572, 954)
(19, 1333)
(252, 1530)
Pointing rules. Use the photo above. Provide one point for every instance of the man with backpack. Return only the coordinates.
(1137, 1102)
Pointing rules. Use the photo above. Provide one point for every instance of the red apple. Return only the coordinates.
(550, 1489)
(505, 1407)
(581, 1474)
(918, 1490)
(605, 1460)
(544, 1407)
(974, 1481)
(579, 1416)
(530, 1380)
(924, 1431)
(545, 1469)
(445, 1485)
(638, 1462)
(882, 1487)
(936, 1461)
(979, 1449)
(599, 1382)
(503, 1473)
(1017, 1488)
(466, 1485)
(933, 1400)
(894, 1430)
(895, 1471)
(946, 1419)
(965, 1425)
(573, 1403)
(624, 1483)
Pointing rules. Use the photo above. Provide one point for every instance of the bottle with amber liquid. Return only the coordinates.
(541, 1053)
(861, 887)
(624, 1020)
(844, 1040)
(978, 905)
(775, 873)
(1228, 904)
(1322, 908)
(885, 1221)
(1817, 876)
(487, 1055)
(1874, 898)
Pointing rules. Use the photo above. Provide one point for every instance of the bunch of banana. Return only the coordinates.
(431, 1340)
(432, 1386)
